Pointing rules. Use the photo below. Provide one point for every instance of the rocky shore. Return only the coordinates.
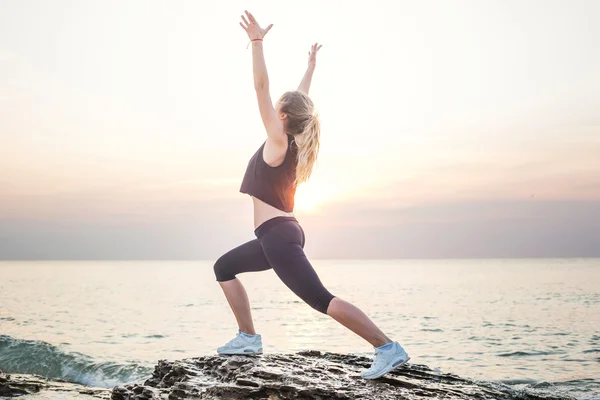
(35, 386)
(306, 375)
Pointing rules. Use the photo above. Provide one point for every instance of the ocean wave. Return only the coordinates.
(591, 351)
(528, 353)
(22, 356)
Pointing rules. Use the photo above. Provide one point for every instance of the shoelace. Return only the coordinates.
(233, 340)
(378, 362)
(379, 359)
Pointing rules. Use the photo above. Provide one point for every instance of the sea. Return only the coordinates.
(527, 323)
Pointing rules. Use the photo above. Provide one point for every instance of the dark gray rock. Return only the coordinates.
(13, 385)
(307, 375)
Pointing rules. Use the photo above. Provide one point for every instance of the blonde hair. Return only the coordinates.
(303, 123)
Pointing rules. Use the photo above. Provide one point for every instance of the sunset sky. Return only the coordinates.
(449, 128)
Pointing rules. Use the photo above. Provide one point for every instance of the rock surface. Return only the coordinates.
(306, 375)
(13, 385)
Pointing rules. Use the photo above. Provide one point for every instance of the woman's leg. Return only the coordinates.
(240, 305)
(357, 321)
(283, 246)
(244, 258)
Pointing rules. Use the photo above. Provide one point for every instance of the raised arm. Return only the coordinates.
(312, 62)
(272, 123)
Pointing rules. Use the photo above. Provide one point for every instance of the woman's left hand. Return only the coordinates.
(252, 28)
(312, 54)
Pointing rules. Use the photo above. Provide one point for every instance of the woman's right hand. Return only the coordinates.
(252, 28)
(312, 55)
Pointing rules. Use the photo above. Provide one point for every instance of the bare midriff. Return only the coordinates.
(264, 211)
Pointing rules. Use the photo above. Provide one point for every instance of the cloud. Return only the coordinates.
(461, 229)
(205, 230)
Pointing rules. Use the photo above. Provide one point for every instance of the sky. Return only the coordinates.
(450, 129)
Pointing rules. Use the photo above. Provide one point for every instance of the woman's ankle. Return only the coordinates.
(247, 332)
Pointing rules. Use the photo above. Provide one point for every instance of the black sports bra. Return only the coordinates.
(273, 185)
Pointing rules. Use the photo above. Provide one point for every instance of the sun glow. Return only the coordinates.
(311, 196)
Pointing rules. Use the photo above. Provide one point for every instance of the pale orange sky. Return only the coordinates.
(120, 121)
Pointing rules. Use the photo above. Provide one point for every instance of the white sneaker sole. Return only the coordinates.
(395, 364)
(242, 351)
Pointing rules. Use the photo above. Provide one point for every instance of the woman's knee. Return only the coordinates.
(321, 301)
(223, 270)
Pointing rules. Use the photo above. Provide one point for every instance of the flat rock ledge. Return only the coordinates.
(306, 375)
(310, 375)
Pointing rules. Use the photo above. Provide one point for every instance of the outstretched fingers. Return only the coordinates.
(314, 48)
(250, 17)
(252, 27)
(246, 21)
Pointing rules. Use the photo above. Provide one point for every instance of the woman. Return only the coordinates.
(282, 162)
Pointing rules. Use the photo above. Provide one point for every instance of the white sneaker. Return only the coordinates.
(241, 344)
(385, 361)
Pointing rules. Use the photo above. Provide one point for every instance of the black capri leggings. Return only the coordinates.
(279, 245)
